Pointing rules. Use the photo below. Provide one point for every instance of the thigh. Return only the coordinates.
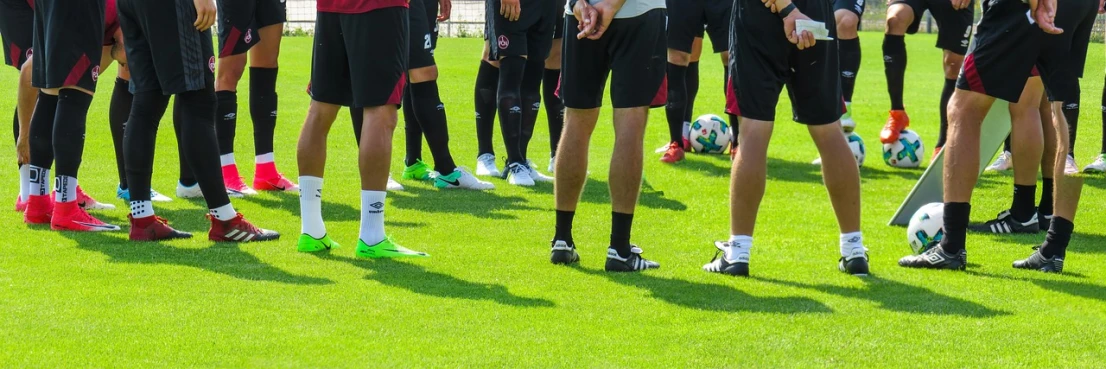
(330, 68)
(718, 24)
(759, 61)
(420, 43)
(68, 39)
(815, 83)
(1005, 49)
(237, 26)
(685, 21)
(507, 38)
(637, 59)
(1063, 56)
(539, 37)
(954, 27)
(17, 29)
(270, 12)
(919, 7)
(854, 6)
(376, 43)
(585, 65)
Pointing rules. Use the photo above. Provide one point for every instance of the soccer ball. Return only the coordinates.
(709, 134)
(906, 152)
(856, 144)
(926, 226)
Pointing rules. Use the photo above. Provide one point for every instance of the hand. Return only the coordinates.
(444, 9)
(1044, 12)
(23, 149)
(961, 4)
(510, 9)
(803, 39)
(205, 14)
(1101, 6)
(605, 14)
(771, 5)
(586, 16)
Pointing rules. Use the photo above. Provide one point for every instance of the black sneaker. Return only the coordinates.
(633, 263)
(1045, 221)
(936, 258)
(722, 263)
(1005, 223)
(564, 253)
(1036, 261)
(855, 264)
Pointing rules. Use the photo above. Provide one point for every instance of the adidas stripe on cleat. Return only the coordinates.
(1005, 224)
(238, 230)
(632, 263)
(728, 260)
(563, 253)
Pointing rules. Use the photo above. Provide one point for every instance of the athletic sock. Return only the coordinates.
(141, 141)
(620, 232)
(956, 226)
(224, 213)
(311, 207)
(1045, 207)
(69, 131)
(66, 188)
(430, 114)
(850, 242)
(564, 226)
(554, 107)
(142, 209)
(850, 66)
(265, 167)
(42, 131)
(24, 182)
(739, 244)
(412, 130)
(198, 137)
(1059, 234)
(186, 178)
(1102, 148)
(118, 112)
(894, 60)
(263, 108)
(677, 101)
(1022, 207)
(1071, 114)
(38, 180)
(692, 83)
(372, 217)
(487, 85)
(509, 98)
(226, 159)
(531, 104)
(946, 94)
(227, 121)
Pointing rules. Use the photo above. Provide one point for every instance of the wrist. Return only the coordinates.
(786, 10)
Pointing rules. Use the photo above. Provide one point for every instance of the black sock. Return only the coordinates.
(430, 114)
(187, 178)
(554, 107)
(118, 111)
(509, 104)
(692, 83)
(620, 233)
(1006, 144)
(850, 65)
(487, 85)
(412, 131)
(1022, 206)
(564, 226)
(735, 123)
(894, 60)
(1071, 113)
(957, 215)
(263, 108)
(69, 131)
(946, 94)
(198, 132)
(42, 130)
(531, 103)
(677, 101)
(1045, 207)
(1059, 234)
(139, 145)
(227, 111)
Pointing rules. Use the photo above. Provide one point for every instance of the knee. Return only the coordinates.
(229, 72)
(679, 57)
(847, 23)
(899, 18)
(424, 74)
(952, 63)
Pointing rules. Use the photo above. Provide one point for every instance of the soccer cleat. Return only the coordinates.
(735, 263)
(632, 263)
(70, 216)
(673, 154)
(485, 166)
(189, 192)
(461, 178)
(552, 160)
(233, 182)
(419, 171)
(1002, 163)
(38, 209)
(1005, 223)
(563, 253)
(662, 149)
(535, 174)
(20, 205)
(936, 258)
(86, 202)
(519, 175)
(817, 162)
(312, 244)
(125, 195)
(386, 249)
(897, 121)
(238, 230)
(277, 183)
(1098, 166)
(1069, 166)
(1039, 262)
(856, 263)
(154, 228)
(393, 185)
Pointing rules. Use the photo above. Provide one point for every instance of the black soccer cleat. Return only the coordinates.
(856, 264)
(735, 265)
(1005, 224)
(1039, 262)
(633, 263)
(563, 253)
(936, 258)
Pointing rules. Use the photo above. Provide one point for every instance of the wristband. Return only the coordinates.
(786, 10)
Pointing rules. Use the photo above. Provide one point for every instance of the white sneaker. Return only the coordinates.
(551, 161)
(1070, 167)
(485, 166)
(158, 197)
(461, 178)
(817, 162)
(189, 192)
(1002, 163)
(535, 174)
(1098, 166)
(519, 175)
(393, 185)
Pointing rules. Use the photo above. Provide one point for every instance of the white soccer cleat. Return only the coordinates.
(817, 162)
(393, 185)
(1069, 166)
(158, 197)
(535, 174)
(86, 202)
(519, 175)
(189, 192)
(485, 166)
(1098, 166)
(1002, 163)
(461, 178)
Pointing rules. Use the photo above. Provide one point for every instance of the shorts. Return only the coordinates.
(68, 42)
(559, 19)
(763, 62)
(1077, 23)
(432, 20)
(17, 31)
(531, 35)
(855, 6)
(954, 27)
(419, 36)
(239, 21)
(686, 19)
(632, 52)
(360, 60)
(163, 58)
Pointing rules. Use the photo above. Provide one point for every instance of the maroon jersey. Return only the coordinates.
(356, 6)
(111, 22)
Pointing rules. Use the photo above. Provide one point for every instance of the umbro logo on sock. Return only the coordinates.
(230, 116)
(377, 205)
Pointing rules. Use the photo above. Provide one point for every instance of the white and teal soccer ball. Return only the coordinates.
(856, 144)
(926, 226)
(906, 152)
(710, 134)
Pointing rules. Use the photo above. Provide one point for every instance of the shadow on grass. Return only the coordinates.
(598, 192)
(290, 202)
(792, 171)
(417, 279)
(895, 296)
(480, 204)
(1069, 287)
(709, 296)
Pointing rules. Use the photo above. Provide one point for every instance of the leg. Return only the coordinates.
(1027, 144)
(962, 163)
(951, 62)
(625, 173)
(572, 162)
(430, 116)
(228, 72)
(849, 44)
(263, 107)
(841, 175)
(554, 106)
(899, 18)
(487, 87)
(1048, 156)
(140, 146)
(375, 152)
(531, 100)
(509, 104)
(118, 111)
(748, 175)
(311, 158)
(675, 109)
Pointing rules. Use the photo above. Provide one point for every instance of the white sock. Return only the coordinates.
(24, 182)
(263, 159)
(142, 209)
(38, 180)
(66, 188)
(224, 213)
(739, 244)
(687, 129)
(852, 243)
(311, 206)
(372, 216)
(226, 159)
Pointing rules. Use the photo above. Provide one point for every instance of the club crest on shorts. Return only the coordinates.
(249, 36)
(95, 73)
(211, 64)
(503, 41)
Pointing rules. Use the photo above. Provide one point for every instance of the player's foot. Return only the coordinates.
(312, 244)
(535, 174)
(154, 228)
(233, 182)
(189, 192)
(552, 160)
(632, 263)
(662, 149)
(1005, 223)
(563, 253)
(238, 230)
(20, 205)
(1098, 166)
(70, 216)
(1036, 261)
(896, 122)
(461, 178)
(518, 174)
(419, 171)
(817, 162)
(39, 209)
(673, 154)
(1069, 166)
(1002, 163)
(275, 183)
(485, 166)
(393, 185)
(729, 260)
(386, 249)
(935, 258)
(155, 196)
(86, 202)
(856, 263)
(848, 125)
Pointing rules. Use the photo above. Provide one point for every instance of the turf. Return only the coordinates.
(489, 298)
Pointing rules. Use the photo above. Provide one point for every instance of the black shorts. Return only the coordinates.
(559, 19)
(239, 21)
(68, 41)
(531, 35)
(954, 27)
(686, 19)
(432, 19)
(164, 52)
(763, 62)
(855, 6)
(360, 60)
(420, 36)
(17, 31)
(632, 52)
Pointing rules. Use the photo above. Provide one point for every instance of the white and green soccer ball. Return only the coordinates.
(906, 152)
(856, 144)
(709, 134)
(926, 226)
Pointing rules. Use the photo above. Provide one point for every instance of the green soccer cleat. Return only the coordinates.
(312, 244)
(386, 249)
(419, 171)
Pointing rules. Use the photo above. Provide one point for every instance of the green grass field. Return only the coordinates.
(489, 298)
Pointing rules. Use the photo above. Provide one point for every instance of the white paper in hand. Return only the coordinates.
(818, 29)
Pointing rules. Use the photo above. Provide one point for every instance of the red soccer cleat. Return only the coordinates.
(154, 228)
(238, 230)
(896, 122)
(233, 182)
(674, 153)
(86, 202)
(266, 178)
(69, 216)
(38, 209)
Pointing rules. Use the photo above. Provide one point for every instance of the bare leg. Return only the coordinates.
(572, 157)
(625, 172)
(311, 150)
(375, 154)
(747, 176)
(840, 173)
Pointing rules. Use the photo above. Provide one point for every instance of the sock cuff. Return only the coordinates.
(852, 237)
(74, 96)
(894, 44)
(1060, 225)
(227, 96)
(741, 241)
(852, 44)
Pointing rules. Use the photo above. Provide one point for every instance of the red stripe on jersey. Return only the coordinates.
(357, 6)
(972, 75)
(232, 41)
(78, 70)
(397, 92)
